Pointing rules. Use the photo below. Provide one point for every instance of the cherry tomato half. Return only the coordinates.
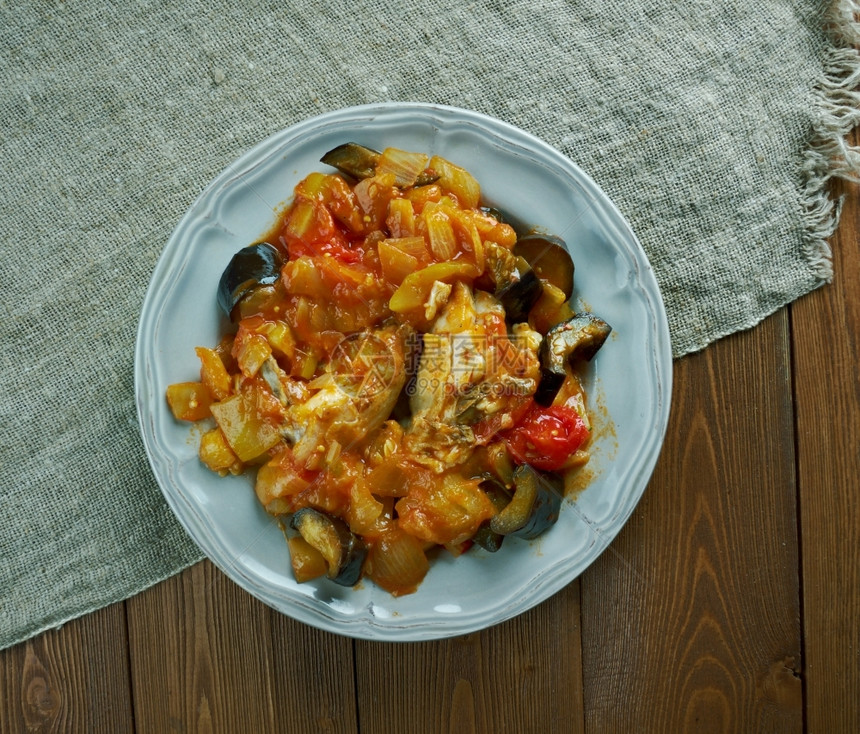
(546, 437)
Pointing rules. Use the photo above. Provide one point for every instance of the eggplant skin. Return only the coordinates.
(486, 537)
(514, 282)
(535, 506)
(342, 549)
(549, 258)
(495, 213)
(548, 387)
(255, 265)
(352, 159)
(519, 297)
(547, 505)
(580, 337)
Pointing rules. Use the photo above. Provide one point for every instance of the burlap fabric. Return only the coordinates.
(714, 126)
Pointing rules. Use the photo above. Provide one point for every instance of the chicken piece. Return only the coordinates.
(288, 390)
(452, 358)
(469, 370)
(360, 387)
(438, 298)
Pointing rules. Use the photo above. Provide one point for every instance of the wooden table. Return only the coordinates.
(730, 601)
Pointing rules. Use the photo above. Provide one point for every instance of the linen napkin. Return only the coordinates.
(714, 127)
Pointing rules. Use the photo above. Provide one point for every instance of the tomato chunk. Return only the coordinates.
(547, 437)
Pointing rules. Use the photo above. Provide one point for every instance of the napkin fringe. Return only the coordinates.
(830, 156)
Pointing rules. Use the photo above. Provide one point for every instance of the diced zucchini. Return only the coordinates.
(308, 222)
(447, 512)
(189, 401)
(457, 181)
(415, 288)
(247, 433)
(213, 373)
(216, 453)
(281, 339)
(307, 562)
(396, 264)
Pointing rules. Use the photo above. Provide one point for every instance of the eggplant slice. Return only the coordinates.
(548, 257)
(359, 162)
(578, 338)
(343, 550)
(486, 537)
(495, 213)
(534, 507)
(515, 283)
(519, 297)
(252, 266)
(352, 159)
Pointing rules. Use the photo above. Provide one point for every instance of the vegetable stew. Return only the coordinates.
(400, 375)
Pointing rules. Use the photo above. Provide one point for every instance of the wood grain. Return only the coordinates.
(522, 676)
(690, 620)
(68, 680)
(826, 331)
(207, 657)
(313, 678)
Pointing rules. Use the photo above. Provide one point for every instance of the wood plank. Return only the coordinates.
(826, 336)
(313, 678)
(207, 656)
(690, 619)
(71, 679)
(522, 675)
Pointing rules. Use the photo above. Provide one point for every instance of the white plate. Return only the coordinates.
(630, 377)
